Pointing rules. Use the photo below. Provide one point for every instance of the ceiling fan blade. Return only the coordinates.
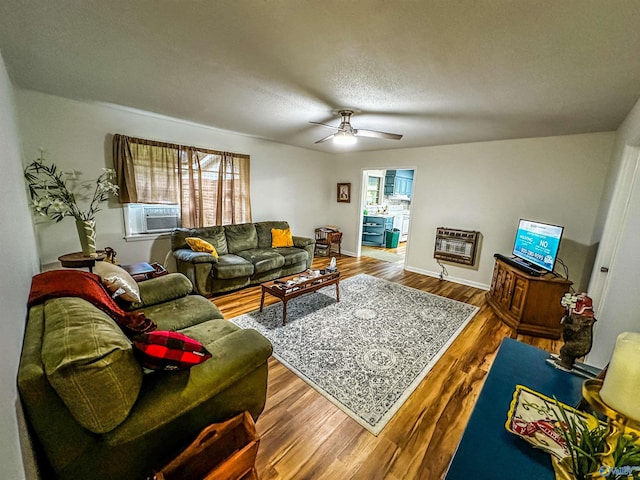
(329, 137)
(324, 125)
(374, 134)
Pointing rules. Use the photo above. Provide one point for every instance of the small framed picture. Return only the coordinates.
(344, 192)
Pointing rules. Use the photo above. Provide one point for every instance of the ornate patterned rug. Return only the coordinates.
(368, 352)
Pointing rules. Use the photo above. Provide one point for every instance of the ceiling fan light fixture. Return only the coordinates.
(344, 138)
(345, 134)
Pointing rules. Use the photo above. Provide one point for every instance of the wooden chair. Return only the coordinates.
(328, 240)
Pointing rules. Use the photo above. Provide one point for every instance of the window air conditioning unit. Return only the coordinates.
(142, 218)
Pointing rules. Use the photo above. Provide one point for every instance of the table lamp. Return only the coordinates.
(617, 396)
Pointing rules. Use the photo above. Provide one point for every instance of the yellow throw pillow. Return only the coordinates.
(198, 245)
(281, 238)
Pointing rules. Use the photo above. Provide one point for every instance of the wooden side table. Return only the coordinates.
(328, 239)
(81, 260)
(144, 271)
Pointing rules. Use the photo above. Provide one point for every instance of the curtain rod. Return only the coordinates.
(155, 143)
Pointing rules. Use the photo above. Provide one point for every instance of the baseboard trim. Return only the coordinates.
(430, 273)
(461, 281)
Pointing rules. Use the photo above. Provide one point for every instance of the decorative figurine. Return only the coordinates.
(577, 329)
(110, 255)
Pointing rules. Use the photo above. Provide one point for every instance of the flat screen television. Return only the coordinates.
(538, 243)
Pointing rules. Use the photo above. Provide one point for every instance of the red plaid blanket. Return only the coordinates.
(85, 285)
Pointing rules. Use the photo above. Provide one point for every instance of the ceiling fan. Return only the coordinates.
(346, 134)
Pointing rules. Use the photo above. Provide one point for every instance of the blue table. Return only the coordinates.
(487, 450)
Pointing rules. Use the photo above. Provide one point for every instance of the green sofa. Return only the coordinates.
(245, 256)
(122, 423)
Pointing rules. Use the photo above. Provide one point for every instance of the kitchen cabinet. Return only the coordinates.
(389, 179)
(373, 227)
(530, 305)
(398, 182)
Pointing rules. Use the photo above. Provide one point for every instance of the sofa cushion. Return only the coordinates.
(167, 350)
(263, 259)
(162, 289)
(118, 281)
(182, 312)
(232, 266)
(198, 245)
(281, 238)
(263, 229)
(208, 332)
(292, 255)
(90, 363)
(214, 235)
(241, 237)
(188, 255)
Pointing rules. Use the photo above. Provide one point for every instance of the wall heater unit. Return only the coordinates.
(457, 246)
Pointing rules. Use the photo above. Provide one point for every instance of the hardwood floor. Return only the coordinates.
(401, 249)
(304, 436)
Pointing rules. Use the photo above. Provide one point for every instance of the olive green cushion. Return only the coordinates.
(162, 289)
(263, 259)
(302, 242)
(232, 266)
(214, 235)
(241, 237)
(182, 312)
(263, 229)
(188, 255)
(292, 255)
(90, 363)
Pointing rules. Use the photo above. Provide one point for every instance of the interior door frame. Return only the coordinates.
(628, 176)
(612, 305)
(363, 204)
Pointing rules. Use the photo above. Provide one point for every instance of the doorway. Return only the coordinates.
(386, 212)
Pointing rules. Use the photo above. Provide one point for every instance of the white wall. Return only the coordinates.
(487, 187)
(481, 186)
(18, 258)
(287, 183)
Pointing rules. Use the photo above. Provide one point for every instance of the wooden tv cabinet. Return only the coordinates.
(529, 304)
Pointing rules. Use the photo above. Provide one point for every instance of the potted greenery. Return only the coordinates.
(596, 450)
(53, 198)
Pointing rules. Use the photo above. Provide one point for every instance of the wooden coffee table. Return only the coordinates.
(293, 286)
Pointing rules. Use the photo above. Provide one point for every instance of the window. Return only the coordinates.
(210, 187)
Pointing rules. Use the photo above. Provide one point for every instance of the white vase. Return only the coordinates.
(87, 235)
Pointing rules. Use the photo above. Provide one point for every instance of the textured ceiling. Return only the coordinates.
(438, 72)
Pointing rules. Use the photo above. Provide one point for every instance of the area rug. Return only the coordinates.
(368, 352)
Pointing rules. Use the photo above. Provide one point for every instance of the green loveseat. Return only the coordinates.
(137, 421)
(245, 256)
